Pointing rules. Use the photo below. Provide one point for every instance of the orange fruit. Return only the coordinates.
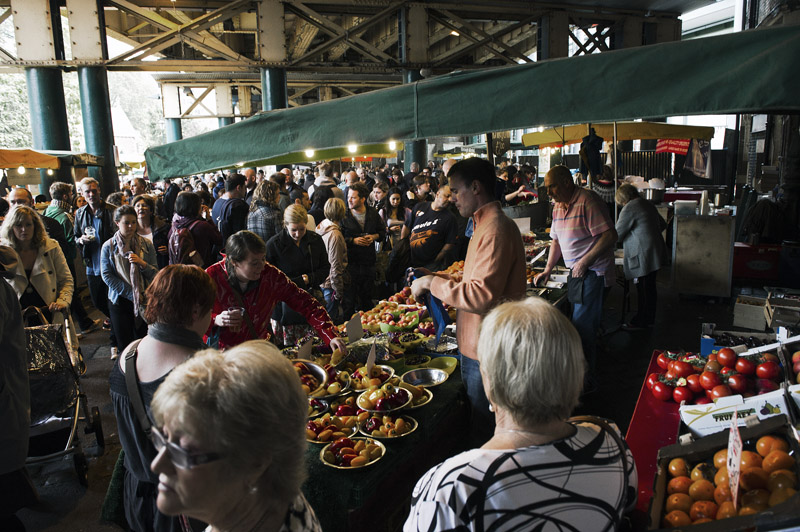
(757, 497)
(682, 502)
(750, 459)
(703, 471)
(780, 495)
(753, 509)
(721, 478)
(678, 467)
(702, 520)
(676, 518)
(701, 509)
(777, 459)
(726, 509)
(679, 485)
(721, 458)
(722, 493)
(782, 478)
(702, 490)
(753, 478)
(769, 443)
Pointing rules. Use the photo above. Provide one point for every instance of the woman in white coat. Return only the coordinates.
(41, 277)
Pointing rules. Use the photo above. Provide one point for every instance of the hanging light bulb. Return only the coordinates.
(352, 148)
(21, 170)
(49, 171)
(309, 153)
(392, 145)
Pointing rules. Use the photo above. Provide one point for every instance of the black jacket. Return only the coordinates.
(309, 258)
(161, 238)
(373, 224)
(83, 219)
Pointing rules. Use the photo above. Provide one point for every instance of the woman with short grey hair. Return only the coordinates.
(540, 470)
(230, 434)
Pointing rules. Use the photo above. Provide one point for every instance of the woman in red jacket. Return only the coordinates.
(250, 287)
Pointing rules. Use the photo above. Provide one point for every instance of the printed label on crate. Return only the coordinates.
(734, 457)
(715, 417)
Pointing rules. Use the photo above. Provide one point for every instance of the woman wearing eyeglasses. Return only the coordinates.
(230, 432)
(179, 311)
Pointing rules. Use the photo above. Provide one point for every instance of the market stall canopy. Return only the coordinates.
(27, 158)
(747, 72)
(559, 136)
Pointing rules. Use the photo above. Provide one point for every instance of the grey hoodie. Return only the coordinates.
(331, 234)
(325, 181)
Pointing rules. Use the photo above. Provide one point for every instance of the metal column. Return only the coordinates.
(174, 131)
(273, 89)
(223, 121)
(97, 128)
(415, 150)
(48, 118)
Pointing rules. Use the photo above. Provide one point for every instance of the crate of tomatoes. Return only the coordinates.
(692, 490)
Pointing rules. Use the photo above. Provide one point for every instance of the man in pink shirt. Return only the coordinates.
(494, 272)
(584, 235)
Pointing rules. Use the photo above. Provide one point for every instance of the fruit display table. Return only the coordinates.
(654, 424)
(377, 496)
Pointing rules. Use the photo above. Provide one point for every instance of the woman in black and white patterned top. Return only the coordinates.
(539, 471)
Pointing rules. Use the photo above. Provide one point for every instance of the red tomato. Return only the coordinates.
(727, 357)
(669, 375)
(682, 393)
(701, 400)
(709, 379)
(712, 357)
(745, 366)
(693, 382)
(662, 360)
(651, 379)
(682, 369)
(738, 383)
(727, 371)
(768, 370)
(662, 391)
(720, 391)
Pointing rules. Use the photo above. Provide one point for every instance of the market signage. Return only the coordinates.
(679, 146)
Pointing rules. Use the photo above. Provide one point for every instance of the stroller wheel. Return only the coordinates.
(97, 428)
(81, 468)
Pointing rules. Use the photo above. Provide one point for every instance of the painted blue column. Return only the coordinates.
(174, 131)
(273, 89)
(415, 151)
(97, 127)
(223, 121)
(48, 112)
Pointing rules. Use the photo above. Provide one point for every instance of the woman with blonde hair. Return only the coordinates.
(230, 434)
(41, 278)
(264, 218)
(302, 256)
(540, 470)
(331, 232)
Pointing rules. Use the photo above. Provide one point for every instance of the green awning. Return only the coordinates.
(746, 72)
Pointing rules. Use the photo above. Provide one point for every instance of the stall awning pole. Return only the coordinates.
(616, 170)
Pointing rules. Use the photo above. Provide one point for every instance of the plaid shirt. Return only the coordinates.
(265, 221)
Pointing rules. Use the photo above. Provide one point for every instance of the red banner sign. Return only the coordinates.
(679, 146)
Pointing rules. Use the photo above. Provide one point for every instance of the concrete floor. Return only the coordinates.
(622, 360)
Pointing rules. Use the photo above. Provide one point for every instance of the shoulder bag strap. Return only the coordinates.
(623, 452)
(132, 384)
(250, 326)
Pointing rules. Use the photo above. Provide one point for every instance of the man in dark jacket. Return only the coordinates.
(207, 238)
(230, 210)
(362, 227)
(98, 218)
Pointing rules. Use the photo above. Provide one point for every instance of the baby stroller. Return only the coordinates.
(57, 403)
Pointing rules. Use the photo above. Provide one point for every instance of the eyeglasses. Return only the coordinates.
(179, 456)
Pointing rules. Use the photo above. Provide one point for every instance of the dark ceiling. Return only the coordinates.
(670, 6)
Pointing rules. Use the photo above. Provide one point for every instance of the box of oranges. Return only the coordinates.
(691, 489)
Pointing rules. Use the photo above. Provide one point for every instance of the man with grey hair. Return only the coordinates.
(60, 210)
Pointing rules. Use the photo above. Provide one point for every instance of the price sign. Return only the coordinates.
(354, 329)
(734, 458)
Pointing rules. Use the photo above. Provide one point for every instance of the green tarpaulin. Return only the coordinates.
(747, 72)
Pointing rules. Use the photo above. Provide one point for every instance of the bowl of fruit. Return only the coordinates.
(387, 427)
(379, 375)
(312, 376)
(328, 428)
(387, 398)
(339, 383)
(416, 361)
(411, 340)
(404, 322)
(317, 407)
(352, 453)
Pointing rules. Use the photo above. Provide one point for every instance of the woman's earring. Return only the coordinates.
(491, 407)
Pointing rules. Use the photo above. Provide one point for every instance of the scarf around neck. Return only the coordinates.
(134, 246)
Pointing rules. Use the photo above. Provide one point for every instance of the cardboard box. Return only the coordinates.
(779, 517)
(748, 312)
(708, 342)
(702, 420)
